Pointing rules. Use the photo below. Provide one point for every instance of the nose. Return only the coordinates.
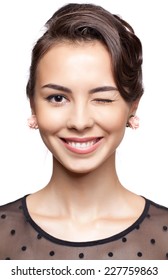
(80, 118)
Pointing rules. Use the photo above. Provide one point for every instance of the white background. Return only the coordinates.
(25, 164)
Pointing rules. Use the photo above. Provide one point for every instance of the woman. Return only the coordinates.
(84, 88)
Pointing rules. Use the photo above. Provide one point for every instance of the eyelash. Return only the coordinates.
(104, 100)
(98, 100)
(49, 98)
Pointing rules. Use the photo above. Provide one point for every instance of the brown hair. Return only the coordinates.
(86, 22)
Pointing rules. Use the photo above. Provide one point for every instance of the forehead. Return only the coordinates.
(84, 62)
(67, 50)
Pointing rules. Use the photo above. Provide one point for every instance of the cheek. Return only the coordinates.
(113, 120)
(50, 121)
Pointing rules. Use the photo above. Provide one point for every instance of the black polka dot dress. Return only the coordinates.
(22, 239)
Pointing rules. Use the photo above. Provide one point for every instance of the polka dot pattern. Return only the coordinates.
(110, 254)
(139, 254)
(25, 240)
(124, 239)
(13, 232)
(81, 255)
(152, 241)
(3, 216)
(39, 236)
(24, 248)
(165, 228)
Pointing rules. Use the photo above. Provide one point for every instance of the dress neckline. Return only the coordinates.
(56, 240)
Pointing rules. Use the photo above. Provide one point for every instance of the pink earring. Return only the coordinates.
(133, 122)
(32, 122)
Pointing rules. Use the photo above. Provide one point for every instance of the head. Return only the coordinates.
(76, 23)
(96, 58)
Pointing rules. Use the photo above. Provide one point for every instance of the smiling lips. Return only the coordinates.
(82, 145)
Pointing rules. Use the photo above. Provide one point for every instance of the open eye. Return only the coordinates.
(57, 99)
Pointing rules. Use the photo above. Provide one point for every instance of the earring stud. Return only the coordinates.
(133, 122)
(32, 122)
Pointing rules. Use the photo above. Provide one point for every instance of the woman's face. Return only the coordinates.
(80, 113)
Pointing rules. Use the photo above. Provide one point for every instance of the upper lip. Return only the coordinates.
(76, 139)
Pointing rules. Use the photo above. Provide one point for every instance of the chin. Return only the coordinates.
(81, 171)
(78, 169)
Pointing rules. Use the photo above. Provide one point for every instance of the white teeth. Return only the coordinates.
(81, 145)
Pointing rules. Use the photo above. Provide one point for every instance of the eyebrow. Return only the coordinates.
(67, 90)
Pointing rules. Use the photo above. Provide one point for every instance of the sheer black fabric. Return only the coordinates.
(22, 239)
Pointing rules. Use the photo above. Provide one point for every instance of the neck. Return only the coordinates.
(76, 193)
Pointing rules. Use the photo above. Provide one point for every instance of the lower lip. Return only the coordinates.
(87, 150)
